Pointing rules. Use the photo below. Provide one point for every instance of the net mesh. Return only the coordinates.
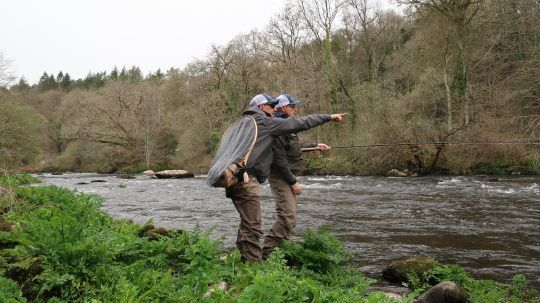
(234, 146)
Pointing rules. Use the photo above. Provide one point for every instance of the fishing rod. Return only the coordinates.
(534, 142)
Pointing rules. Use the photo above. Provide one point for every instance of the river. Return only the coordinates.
(490, 226)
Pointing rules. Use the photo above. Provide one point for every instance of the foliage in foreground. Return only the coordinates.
(478, 290)
(61, 247)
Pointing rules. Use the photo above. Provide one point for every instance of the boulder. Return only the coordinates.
(445, 292)
(149, 173)
(107, 169)
(174, 173)
(396, 173)
(399, 271)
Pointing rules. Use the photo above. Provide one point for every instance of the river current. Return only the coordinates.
(490, 226)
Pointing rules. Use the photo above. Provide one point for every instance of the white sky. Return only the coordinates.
(78, 37)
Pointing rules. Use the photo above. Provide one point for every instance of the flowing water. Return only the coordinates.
(489, 226)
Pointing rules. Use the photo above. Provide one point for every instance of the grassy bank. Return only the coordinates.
(56, 245)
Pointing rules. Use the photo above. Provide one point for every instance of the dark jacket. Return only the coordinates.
(288, 160)
(269, 128)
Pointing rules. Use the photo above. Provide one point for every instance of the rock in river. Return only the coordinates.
(396, 173)
(174, 173)
(149, 173)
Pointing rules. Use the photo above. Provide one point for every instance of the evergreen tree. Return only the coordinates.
(65, 84)
(114, 74)
(59, 77)
(157, 76)
(52, 84)
(123, 74)
(22, 85)
(135, 74)
(47, 82)
(96, 80)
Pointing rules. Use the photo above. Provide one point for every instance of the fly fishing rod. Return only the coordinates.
(534, 142)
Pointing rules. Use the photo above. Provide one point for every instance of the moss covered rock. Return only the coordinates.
(400, 271)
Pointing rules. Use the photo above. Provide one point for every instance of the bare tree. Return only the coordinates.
(219, 60)
(319, 17)
(285, 36)
(6, 75)
(459, 15)
(124, 114)
(362, 17)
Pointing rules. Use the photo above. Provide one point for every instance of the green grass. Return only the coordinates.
(62, 248)
(18, 179)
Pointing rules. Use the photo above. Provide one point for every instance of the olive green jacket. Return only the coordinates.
(288, 161)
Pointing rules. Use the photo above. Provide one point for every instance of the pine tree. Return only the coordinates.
(47, 82)
(135, 74)
(65, 84)
(114, 74)
(59, 77)
(22, 85)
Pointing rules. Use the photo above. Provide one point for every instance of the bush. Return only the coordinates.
(18, 179)
(10, 291)
(479, 291)
(320, 251)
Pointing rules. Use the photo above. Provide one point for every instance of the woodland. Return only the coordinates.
(444, 71)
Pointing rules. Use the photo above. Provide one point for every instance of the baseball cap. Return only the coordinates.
(286, 99)
(263, 98)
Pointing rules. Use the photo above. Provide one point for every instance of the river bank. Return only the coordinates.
(58, 244)
(486, 225)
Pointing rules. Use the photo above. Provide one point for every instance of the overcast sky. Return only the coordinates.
(78, 37)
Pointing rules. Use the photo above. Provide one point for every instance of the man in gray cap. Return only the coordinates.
(287, 162)
(246, 195)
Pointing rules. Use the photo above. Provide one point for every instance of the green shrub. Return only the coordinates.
(17, 179)
(211, 142)
(319, 251)
(480, 291)
(10, 291)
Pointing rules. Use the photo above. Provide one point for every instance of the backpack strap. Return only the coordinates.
(246, 158)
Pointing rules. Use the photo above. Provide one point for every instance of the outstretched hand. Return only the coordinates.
(323, 147)
(337, 117)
